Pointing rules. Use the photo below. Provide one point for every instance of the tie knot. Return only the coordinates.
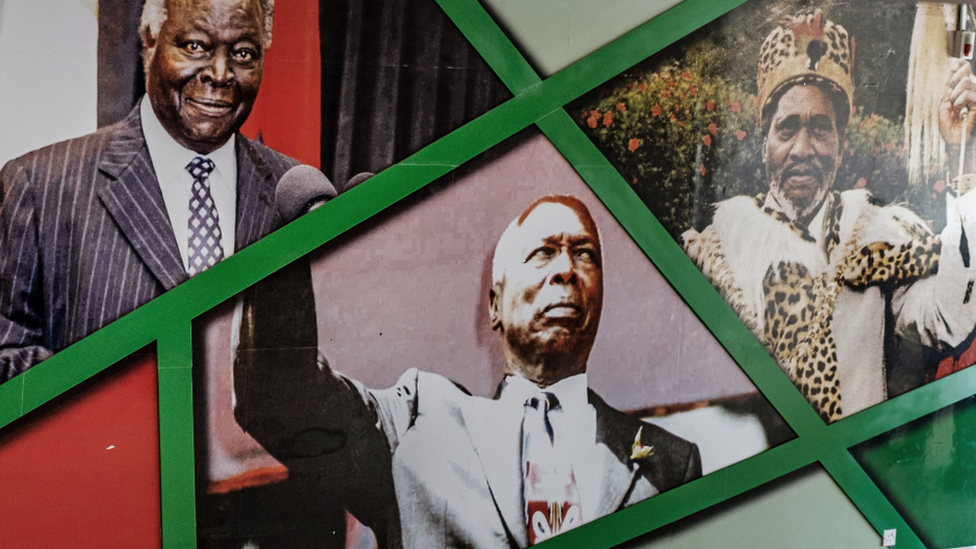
(200, 168)
(546, 400)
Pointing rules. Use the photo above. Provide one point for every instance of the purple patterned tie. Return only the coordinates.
(203, 225)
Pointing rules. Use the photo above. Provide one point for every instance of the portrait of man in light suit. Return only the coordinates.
(425, 463)
(93, 227)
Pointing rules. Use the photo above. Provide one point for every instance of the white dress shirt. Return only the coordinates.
(574, 429)
(169, 160)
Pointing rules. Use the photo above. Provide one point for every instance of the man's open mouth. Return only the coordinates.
(561, 310)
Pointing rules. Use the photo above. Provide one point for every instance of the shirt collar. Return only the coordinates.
(571, 391)
(170, 158)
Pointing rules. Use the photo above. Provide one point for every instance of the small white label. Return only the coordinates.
(889, 537)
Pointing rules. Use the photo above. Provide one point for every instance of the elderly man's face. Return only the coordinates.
(205, 68)
(551, 296)
(802, 149)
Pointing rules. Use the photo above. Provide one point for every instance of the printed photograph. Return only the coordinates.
(489, 363)
(185, 117)
(815, 160)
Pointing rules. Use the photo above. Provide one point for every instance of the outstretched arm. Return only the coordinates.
(941, 310)
(324, 427)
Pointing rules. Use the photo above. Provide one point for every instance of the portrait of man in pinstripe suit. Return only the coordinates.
(93, 227)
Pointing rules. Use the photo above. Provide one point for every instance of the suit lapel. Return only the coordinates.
(496, 432)
(614, 436)
(255, 200)
(130, 193)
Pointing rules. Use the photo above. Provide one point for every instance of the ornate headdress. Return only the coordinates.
(805, 48)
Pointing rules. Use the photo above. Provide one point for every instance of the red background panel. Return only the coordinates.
(288, 110)
(83, 471)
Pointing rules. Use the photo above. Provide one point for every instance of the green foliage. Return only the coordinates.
(686, 138)
(677, 136)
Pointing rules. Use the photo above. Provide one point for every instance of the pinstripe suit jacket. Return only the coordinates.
(85, 237)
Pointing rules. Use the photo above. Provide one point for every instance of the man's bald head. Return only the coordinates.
(507, 242)
(547, 289)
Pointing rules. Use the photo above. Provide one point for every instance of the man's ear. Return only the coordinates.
(148, 50)
(494, 313)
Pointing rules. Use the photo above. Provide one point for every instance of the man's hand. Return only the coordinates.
(960, 94)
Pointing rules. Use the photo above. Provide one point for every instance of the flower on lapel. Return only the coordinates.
(638, 450)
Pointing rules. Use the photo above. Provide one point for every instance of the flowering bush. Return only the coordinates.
(685, 140)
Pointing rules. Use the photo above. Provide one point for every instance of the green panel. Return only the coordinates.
(176, 461)
(805, 510)
(927, 469)
(11, 400)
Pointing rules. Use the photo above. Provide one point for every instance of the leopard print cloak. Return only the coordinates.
(784, 283)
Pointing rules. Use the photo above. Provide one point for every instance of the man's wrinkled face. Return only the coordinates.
(802, 150)
(205, 68)
(551, 296)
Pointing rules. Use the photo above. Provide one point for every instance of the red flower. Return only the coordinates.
(686, 75)
(655, 110)
(671, 83)
(861, 183)
(607, 118)
(712, 128)
(707, 139)
(740, 134)
(693, 90)
(593, 119)
(702, 169)
(710, 106)
(633, 145)
(665, 94)
(736, 107)
(673, 117)
(642, 86)
(681, 123)
(621, 107)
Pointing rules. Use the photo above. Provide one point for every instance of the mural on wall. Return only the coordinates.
(412, 291)
(777, 146)
(859, 297)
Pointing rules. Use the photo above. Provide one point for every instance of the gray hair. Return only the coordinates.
(154, 15)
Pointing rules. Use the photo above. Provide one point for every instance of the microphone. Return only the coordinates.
(301, 190)
(357, 179)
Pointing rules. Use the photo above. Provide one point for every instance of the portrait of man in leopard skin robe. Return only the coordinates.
(821, 277)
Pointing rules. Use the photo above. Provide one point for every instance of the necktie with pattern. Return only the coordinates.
(552, 501)
(203, 226)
